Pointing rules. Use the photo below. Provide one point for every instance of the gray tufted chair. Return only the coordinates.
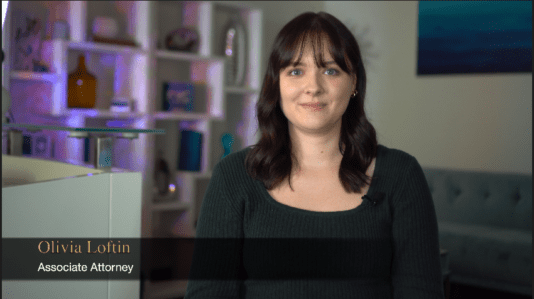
(485, 222)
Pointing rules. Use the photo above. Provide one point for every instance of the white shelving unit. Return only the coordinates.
(139, 73)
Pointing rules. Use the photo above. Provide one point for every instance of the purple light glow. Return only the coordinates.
(116, 124)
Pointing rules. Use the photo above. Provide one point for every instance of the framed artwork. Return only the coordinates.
(28, 33)
(458, 37)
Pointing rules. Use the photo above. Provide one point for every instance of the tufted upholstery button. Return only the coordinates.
(515, 196)
(486, 194)
(457, 192)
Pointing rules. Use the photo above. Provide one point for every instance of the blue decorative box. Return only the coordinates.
(190, 151)
(178, 96)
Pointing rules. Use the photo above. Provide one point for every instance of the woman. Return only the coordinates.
(316, 209)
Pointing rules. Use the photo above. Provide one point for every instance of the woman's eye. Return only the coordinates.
(295, 72)
(331, 72)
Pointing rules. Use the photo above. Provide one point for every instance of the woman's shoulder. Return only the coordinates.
(233, 162)
(237, 157)
(394, 159)
(393, 153)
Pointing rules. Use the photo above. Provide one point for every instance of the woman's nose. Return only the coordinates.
(314, 84)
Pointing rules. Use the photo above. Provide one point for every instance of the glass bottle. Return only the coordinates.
(82, 87)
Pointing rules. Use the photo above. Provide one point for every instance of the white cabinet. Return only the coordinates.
(139, 72)
(48, 200)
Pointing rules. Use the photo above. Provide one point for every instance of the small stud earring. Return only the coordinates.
(355, 93)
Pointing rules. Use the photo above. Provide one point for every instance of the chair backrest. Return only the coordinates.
(485, 198)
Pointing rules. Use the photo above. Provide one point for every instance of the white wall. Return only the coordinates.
(473, 122)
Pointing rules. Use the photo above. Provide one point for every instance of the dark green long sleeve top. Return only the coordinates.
(394, 253)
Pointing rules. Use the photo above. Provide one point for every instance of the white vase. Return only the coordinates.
(105, 27)
(234, 49)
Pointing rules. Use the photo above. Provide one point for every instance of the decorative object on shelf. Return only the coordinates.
(227, 140)
(82, 87)
(122, 104)
(182, 39)
(120, 42)
(36, 144)
(105, 27)
(61, 30)
(234, 50)
(170, 196)
(190, 151)
(178, 96)
(162, 175)
(40, 67)
(105, 30)
(27, 36)
(86, 149)
(104, 150)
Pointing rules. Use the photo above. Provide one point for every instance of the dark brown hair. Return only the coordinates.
(271, 159)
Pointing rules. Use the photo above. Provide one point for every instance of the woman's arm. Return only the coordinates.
(215, 270)
(416, 268)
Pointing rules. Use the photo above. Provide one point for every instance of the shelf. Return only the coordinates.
(175, 55)
(171, 206)
(34, 76)
(89, 113)
(202, 174)
(183, 116)
(240, 90)
(100, 113)
(138, 72)
(101, 47)
(195, 174)
(82, 129)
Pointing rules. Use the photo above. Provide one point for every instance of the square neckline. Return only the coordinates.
(365, 203)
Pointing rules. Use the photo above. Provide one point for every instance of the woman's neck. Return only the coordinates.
(316, 151)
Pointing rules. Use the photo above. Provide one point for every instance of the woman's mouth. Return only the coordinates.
(313, 106)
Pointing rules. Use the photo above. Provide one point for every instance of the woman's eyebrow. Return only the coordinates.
(300, 63)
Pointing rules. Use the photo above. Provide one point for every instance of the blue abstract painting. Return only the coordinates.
(458, 37)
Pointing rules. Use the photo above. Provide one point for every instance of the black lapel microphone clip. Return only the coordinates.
(379, 196)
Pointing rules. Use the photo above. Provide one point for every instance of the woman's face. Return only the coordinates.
(314, 98)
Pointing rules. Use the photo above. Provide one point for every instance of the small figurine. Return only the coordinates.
(162, 174)
(227, 141)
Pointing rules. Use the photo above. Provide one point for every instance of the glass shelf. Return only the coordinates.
(103, 144)
(104, 48)
(84, 130)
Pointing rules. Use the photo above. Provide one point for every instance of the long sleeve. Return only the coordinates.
(416, 269)
(216, 259)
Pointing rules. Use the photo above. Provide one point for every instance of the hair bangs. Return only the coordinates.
(318, 37)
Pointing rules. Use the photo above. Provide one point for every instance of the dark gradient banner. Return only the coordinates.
(186, 258)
